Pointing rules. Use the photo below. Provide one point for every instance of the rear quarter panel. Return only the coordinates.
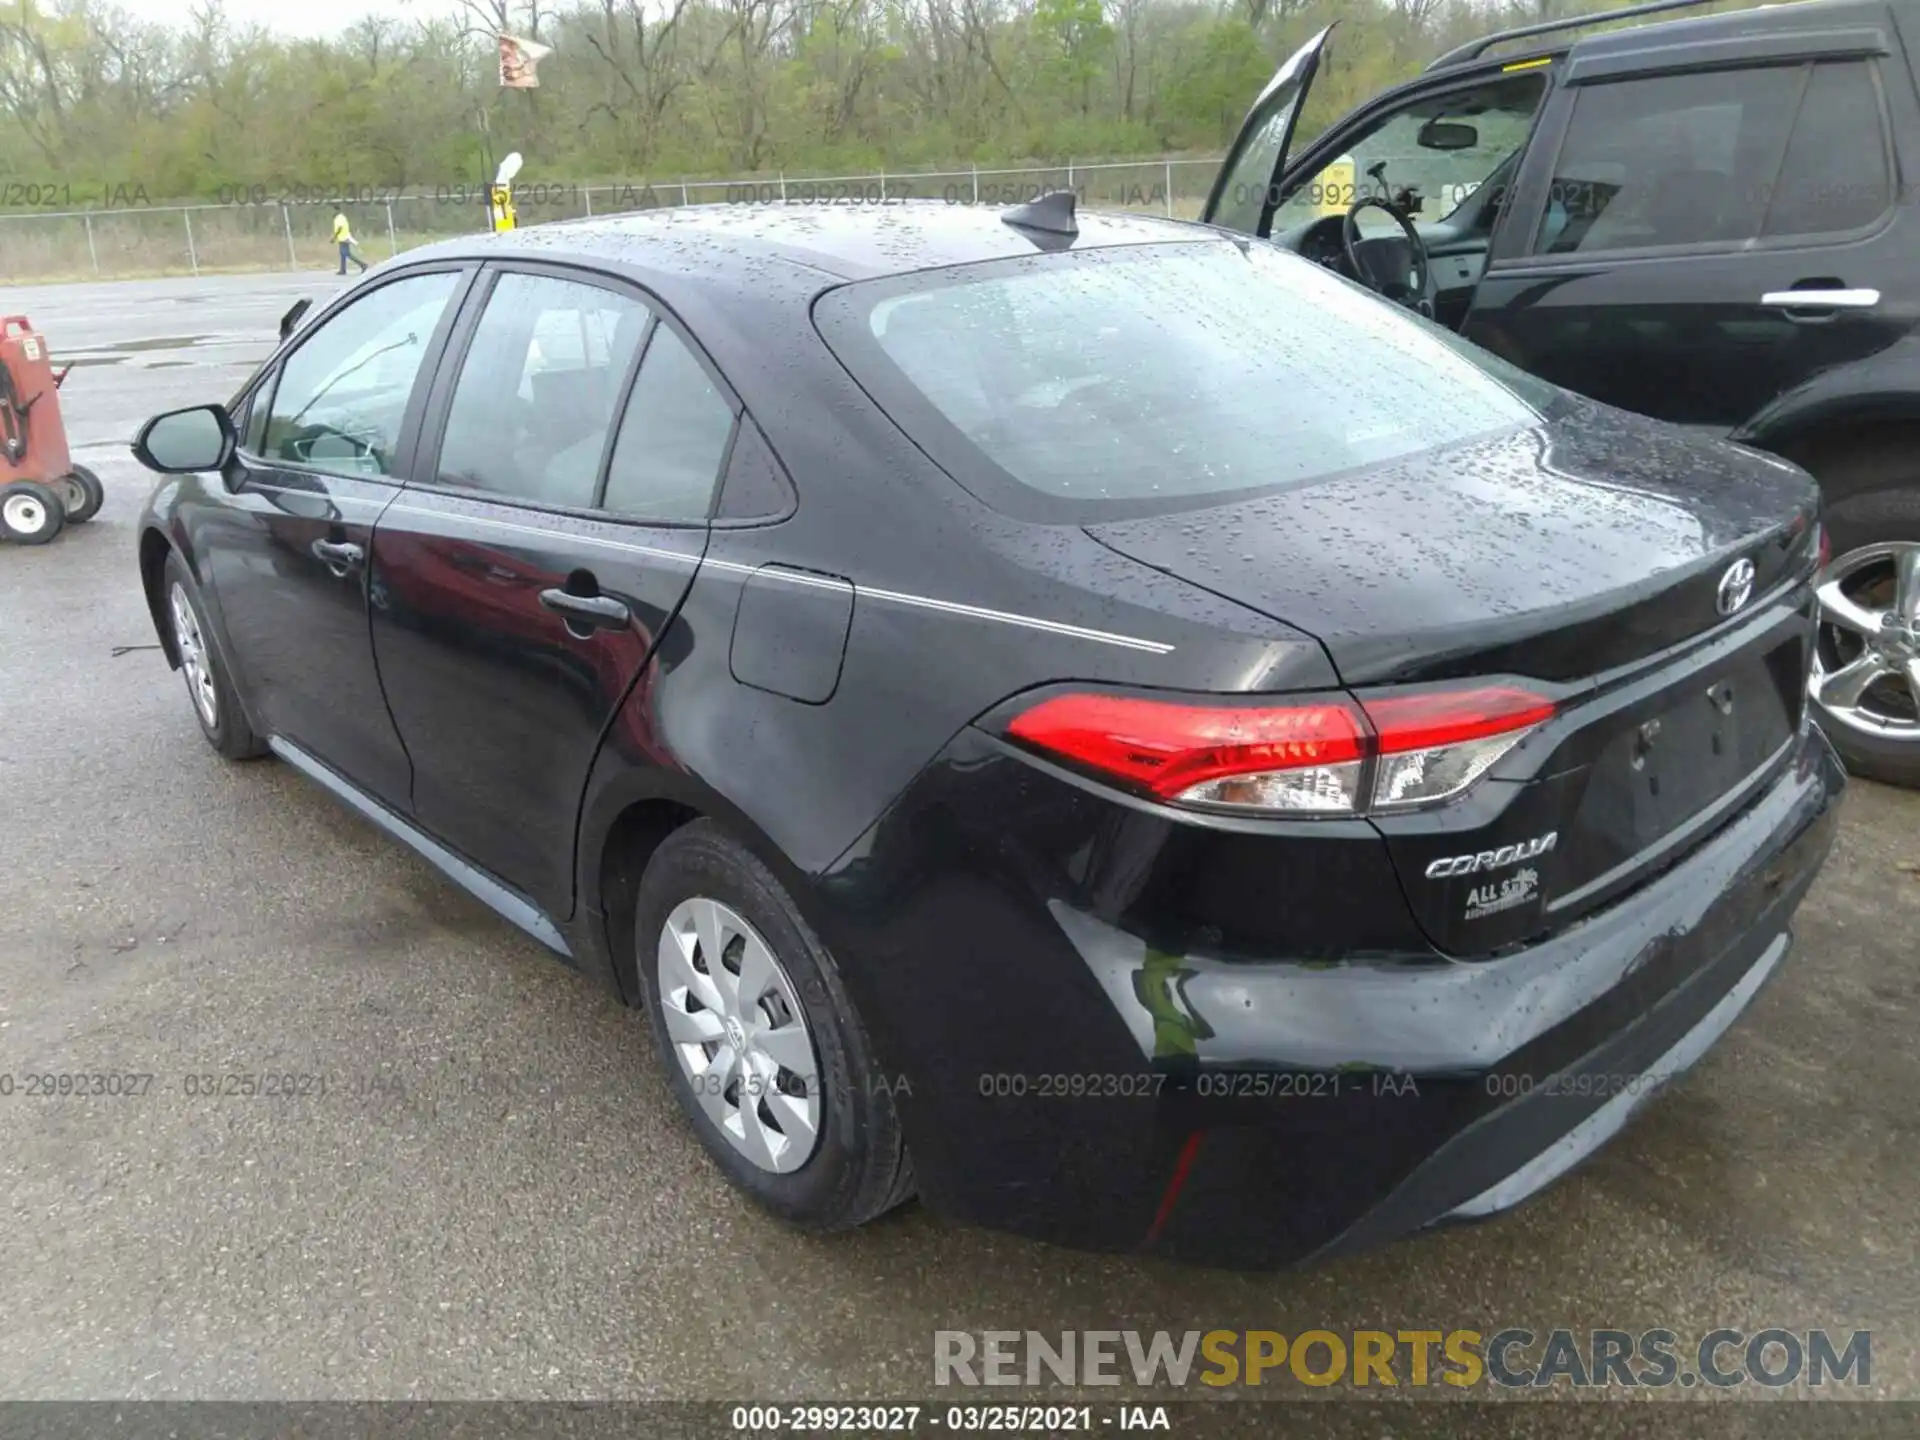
(954, 608)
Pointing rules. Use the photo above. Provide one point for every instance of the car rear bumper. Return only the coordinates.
(1061, 1077)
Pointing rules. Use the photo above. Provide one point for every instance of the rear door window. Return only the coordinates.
(672, 438)
(1669, 160)
(535, 401)
(1836, 175)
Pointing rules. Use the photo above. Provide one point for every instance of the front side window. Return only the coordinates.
(1670, 160)
(1436, 153)
(250, 418)
(342, 396)
(535, 400)
(1164, 377)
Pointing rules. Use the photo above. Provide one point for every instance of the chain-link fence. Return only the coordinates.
(261, 228)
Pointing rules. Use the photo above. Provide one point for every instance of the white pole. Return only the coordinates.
(286, 219)
(783, 188)
(1069, 172)
(393, 244)
(586, 193)
(883, 182)
(976, 182)
(1169, 189)
(192, 258)
(683, 193)
(92, 253)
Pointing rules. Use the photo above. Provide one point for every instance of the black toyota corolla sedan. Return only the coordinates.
(1093, 720)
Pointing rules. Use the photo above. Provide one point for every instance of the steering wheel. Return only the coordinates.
(1395, 270)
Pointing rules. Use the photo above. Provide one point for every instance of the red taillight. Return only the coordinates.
(1169, 748)
(1436, 744)
(1301, 756)
(1449, 717)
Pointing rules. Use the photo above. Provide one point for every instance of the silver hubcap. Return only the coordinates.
(194, 663)
(72, 493)
(739, 1034)
(1866, 671)
(26, 514)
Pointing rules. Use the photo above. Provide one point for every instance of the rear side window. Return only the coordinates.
(1718, 158)
(1133, 380)
(535, 399)
(1669, 160)
(1835, 176)
(672, 438)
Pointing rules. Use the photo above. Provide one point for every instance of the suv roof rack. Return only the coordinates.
(1475, 49)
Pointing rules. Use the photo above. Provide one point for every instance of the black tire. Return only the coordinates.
(227, 729)
(31, 513)
(1874, 517)
(83, 494)
(859, 1167)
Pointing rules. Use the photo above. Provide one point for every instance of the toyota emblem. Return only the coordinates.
(1736, 586)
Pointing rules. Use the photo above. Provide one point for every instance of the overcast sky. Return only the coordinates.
(288, 17)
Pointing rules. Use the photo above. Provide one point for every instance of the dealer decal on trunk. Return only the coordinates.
(1517, 889)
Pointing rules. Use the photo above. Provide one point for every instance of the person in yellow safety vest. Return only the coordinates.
(343, 237)
(500, 207)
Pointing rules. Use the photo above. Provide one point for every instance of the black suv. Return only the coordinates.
(1703, 220)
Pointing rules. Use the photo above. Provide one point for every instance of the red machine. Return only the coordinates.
(41, 489)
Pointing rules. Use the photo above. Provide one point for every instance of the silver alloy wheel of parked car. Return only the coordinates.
(1866, 672)
(194, 663)
(740, 1034)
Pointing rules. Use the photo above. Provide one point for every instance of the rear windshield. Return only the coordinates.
(1125, 381)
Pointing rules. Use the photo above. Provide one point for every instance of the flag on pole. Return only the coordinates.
(517, 61)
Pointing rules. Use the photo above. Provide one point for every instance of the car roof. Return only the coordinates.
(837, 241)
(1679, 26)
(1727, 24)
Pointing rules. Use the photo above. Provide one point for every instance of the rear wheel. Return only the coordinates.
(30, 512)
(1866, 679)
(82, 493)
(762, 1047)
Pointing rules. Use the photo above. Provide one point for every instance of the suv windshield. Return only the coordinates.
(1104, 383)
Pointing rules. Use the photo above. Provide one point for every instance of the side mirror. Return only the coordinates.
(1447, 135)
(183, 442)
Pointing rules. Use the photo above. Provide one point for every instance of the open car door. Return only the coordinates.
(1246, 189)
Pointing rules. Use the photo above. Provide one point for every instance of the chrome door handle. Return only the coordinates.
(339, 556)
(1821, 299)
(598, 611)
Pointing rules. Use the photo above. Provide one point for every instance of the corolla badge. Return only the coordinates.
(1736, 586)
(1492, 859)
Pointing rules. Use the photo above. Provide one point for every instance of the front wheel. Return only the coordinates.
(762, 1047)
(215, 705)
(1866, 674)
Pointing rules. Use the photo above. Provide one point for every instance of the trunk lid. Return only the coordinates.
(1557, 551)
(1595, 557)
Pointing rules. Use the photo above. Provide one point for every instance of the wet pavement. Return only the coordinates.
(481, 1188)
